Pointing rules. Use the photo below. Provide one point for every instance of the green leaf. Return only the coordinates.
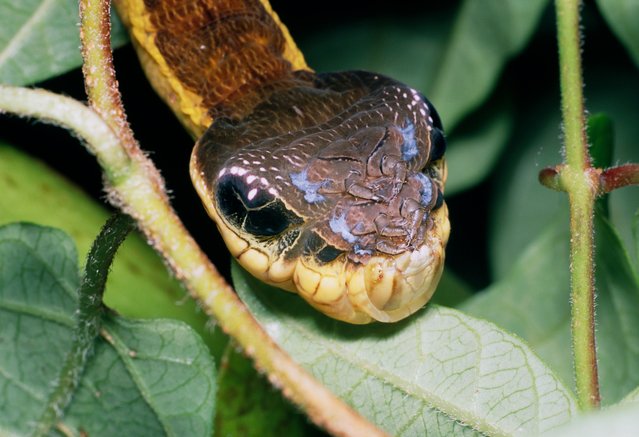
(139, 285)
(451, 291)
(601, 140)
(40, 39)
(522, 207)
(633, 396)
(532, 301)
(485, 35)
(618, 421)
(248, 405)
(146, 377)
(621, 16)
(456, 61)
(439, 372)
(474, 150)
(373, 45)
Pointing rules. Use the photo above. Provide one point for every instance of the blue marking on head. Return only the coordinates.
(301, 182)
(359, 251)
(409, 148)
(427, 189)
(339, 226)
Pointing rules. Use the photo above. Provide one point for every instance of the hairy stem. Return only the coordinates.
(88, 318)
(581, 182)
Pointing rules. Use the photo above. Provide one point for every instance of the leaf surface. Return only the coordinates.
(618, 421)
(248, 405)
(484, 37)
(621, 16)
(139, 284)
(40, 39)
(146, 377)
(438, 373)
(532, 301)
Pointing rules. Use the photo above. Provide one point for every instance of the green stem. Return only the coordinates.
(88, 318)
(581, 182)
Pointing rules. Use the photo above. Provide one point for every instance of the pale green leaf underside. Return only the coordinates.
(40, 39)
(533, 302)
(617, 421)
(150, 378)
(438, 373)
(632, 397)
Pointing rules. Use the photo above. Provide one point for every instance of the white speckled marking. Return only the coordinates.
(251, 194)
(339, 226)
(301, 182)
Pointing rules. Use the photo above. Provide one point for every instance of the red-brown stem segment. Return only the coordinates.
(618, 177)
(550, 178)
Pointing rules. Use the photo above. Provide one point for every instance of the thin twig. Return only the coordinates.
(88, 319)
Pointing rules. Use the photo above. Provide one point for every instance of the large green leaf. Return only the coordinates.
(473, 151)
(451, 290)
(522, 207)
(438, 373)
(139, 285)
(145, 377)
(484, 36)
(533, 302)
(408, 50)
(40, 39)
(622, 15)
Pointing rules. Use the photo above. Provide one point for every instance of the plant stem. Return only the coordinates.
(88, 318)
(581, 182)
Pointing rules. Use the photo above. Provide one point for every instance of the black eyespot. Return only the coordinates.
(252, 208)
(230, 198)
(437, 144)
